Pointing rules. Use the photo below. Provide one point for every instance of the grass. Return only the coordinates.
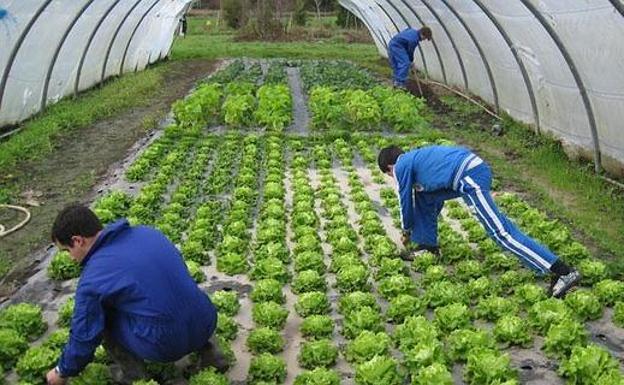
(216, 42)
(567, 189)
(39, 134)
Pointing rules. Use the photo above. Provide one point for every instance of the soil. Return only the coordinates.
(79, 161)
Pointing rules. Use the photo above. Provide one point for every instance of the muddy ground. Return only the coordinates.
(79, 162)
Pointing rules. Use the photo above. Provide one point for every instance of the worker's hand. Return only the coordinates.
(405, 238)
(53, 378)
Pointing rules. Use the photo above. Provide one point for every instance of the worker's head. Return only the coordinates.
(75, 230)
(387, 159)
(425, 33)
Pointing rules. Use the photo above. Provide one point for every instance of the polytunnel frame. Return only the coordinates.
(114, 38)
(577, 78)
(88, 46)
(453, 45)
(435, 46)
(59, 46)
(514, 52)
(475, 41)
(422, 54)
(17, 46)
(136, 28)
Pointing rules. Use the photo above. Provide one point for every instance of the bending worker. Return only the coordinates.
(401, 52)
(428, 176)
(134, 293)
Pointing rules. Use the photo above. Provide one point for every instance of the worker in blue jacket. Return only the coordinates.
(428, 176)
(135, 295)
(401, 52)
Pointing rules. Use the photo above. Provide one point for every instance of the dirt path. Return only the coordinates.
(80, 161)
(301, 116)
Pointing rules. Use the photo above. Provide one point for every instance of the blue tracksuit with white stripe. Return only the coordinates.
(428, 176)
(401, 53)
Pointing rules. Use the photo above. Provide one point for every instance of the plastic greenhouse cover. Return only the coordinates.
(51, 48)
(590, 32)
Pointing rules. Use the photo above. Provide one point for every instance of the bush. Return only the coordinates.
(233, 13)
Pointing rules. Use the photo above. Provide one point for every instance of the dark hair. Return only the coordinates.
(387, 157)
(74, 219)
(425, 32)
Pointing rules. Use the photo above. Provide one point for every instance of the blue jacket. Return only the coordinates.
(407, 39)
(135, 284)
(427, 169)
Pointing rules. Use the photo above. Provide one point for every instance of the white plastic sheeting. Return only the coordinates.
(558, 65)
(53, 48)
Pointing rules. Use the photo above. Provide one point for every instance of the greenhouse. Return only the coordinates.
(370, 192)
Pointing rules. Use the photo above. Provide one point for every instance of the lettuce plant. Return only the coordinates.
(267, 290)
(12, 345)
(563, 336)
(266, 368)
(57, 339)
(308, 280)
(65, 312)
(587, 364)
(434, 274)
(364, 318)
(529, 294)
(451, 317)
(208, 376)
(25, 318)
(480, 287)
(609, 291)
(546, 312)
(395, 285)
(312, 303)
(270, 268)
(94, 374)
(269, 314)
(379, 370)
(352, 278)
(424, 261)
(414, 330)
(511, 329)
(317, 326)
(434, 374)
(341, 261)
(63, 267)
(404, 305)
(195, 271)
(444, 293)
(35, 363)
(485, 366)
(310, 260)
(389, 267)
(153, 382)
(592, 271)
(493, 308)
(366, 346)
(460, 342)
(226, 302)
(356, 300)
(265, 340)
(317, 353)
(423, 354)
(226, 327)
(584, 304)
(232, 263)
(618, 314)
(467, 270)
(318, 376)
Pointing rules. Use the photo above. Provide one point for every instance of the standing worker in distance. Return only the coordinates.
(401, 52)
(134, 293)
(428, 176)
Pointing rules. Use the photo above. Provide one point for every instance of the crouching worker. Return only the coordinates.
(135, 295)
(428, 176)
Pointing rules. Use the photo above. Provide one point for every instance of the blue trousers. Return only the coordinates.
(474, 189)
(400, 63)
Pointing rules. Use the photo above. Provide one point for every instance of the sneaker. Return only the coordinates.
(564, 283)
